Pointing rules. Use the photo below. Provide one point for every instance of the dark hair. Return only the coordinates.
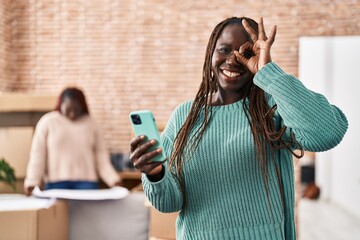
(260, 117)
(74, 94)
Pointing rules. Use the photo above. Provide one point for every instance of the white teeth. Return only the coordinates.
(231, 74)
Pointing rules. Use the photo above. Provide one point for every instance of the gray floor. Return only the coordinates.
(319, 220)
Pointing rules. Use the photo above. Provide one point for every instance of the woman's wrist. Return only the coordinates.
(157, 177)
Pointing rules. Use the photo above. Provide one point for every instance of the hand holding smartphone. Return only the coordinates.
(143, 123)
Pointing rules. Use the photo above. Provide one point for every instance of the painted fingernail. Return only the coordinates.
(153, 141)
(159, 150)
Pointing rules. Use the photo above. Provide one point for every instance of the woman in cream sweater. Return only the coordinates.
(68, 150)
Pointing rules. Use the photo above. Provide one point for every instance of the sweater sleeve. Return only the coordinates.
(104, 167)
(38, 155)
(317, 125)
(166, 195)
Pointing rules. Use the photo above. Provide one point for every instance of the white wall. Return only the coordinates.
(331, 66)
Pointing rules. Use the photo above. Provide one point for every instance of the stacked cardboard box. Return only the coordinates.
(35, 224)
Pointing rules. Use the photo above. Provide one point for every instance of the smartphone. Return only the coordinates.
(143, 123)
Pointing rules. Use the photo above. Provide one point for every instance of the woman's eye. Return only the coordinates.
(224, 50)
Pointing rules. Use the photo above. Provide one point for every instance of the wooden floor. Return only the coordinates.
(320, 220)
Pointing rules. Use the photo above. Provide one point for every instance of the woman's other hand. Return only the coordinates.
(142, 159)
(28, 190)
(260, 47)
(119, 183)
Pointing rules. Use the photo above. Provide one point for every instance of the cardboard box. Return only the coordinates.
(162, 225)
(38, 224)
(6, 188)
(15, 144)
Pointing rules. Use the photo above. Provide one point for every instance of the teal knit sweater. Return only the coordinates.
(225, 193)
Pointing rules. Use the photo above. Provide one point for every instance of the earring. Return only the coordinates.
(213, 83)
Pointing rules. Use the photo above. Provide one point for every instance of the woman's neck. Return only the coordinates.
(220, 99)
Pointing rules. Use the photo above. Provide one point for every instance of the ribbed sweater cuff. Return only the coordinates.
(152, 186)
(267, 75)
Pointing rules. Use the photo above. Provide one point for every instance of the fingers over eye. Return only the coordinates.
(240, 58)
(262, 34)
(250, 31)
(272, 35)
(244, 53)
(246, 47)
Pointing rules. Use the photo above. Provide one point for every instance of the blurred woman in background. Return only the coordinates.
(68, 150)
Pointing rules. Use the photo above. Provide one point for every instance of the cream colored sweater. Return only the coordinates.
(65, 150)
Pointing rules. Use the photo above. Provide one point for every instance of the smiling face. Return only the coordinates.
(232, 77)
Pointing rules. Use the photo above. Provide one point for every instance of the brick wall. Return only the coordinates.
(129, 55)
(6, 79)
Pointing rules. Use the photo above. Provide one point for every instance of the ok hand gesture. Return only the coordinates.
(260, 47)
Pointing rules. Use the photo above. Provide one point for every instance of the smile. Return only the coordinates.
(230, 74)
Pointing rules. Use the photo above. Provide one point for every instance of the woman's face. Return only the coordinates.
(71, 108)
(230, 74)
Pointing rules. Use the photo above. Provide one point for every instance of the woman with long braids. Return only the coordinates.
(229, 170)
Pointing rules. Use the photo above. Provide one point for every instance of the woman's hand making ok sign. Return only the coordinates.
(260, 47)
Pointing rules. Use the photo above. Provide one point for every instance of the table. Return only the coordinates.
(131, 179)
